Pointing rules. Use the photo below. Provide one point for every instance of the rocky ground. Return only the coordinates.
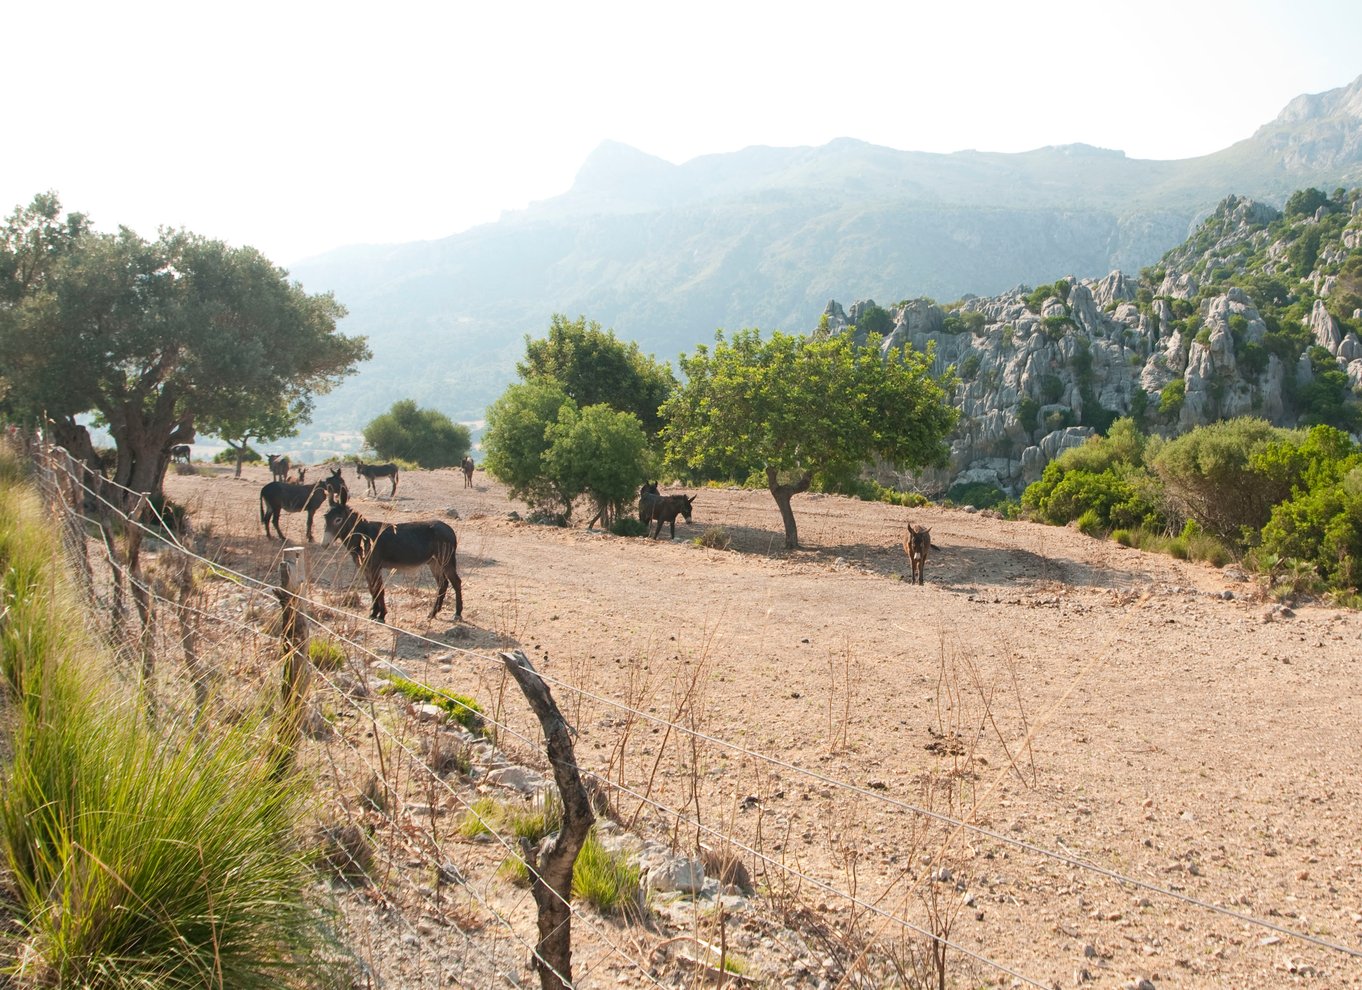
(1087, 764)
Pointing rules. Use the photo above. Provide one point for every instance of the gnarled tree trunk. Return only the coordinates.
(782, 494)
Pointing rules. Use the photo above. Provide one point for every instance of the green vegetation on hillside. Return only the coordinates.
(1288, 502)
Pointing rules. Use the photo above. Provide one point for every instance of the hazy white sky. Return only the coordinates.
(298, 126)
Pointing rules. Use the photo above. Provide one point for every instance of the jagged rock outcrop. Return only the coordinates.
(1036, 376)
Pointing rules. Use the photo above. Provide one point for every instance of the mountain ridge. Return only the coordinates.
(665, 254)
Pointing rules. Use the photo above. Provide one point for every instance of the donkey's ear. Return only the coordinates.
(691, 499)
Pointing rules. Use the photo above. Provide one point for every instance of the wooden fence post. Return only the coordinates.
(297, 673)
(551, 864)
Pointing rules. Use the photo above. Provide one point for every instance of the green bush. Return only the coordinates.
(1212, 476)
(138, 855)
(1090, 523)
(976, 493)
(1172, 397)
(426, 437)
(326, 654)
(227, 455)
(628, 526)
(715, 538)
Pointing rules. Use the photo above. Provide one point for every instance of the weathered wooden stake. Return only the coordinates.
(297, 668)
(551, 864)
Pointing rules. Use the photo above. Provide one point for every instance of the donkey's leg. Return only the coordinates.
(441, 585)
(374, 577)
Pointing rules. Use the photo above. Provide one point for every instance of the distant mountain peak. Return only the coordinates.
(615, 166)
(1346, 101)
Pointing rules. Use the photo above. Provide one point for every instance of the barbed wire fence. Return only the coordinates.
(389, 808)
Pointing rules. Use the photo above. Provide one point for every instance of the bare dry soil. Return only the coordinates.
(1158, 771)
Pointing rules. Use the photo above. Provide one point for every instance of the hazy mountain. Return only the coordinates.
(664, 254)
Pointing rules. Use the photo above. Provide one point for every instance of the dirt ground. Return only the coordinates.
(1158, 770)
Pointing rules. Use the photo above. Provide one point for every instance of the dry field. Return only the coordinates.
(1158, 775)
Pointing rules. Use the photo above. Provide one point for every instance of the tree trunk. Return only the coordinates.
(782, 494)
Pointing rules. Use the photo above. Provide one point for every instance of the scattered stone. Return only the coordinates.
(520, 779)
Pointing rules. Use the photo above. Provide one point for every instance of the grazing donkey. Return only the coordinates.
(180, 453)
(371, 471)
(278, 467)
(656, 507)
(377, 547)
(467, 467)
(915, 545)
(284, 496)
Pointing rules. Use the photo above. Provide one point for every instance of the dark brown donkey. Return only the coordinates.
(915, 545)
(284, 496)
(403, 546)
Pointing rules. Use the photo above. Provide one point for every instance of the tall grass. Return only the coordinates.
(135, 856)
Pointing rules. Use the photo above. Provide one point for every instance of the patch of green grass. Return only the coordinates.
(463, 709)
(326, 654)
(606, 880)
(481, 818)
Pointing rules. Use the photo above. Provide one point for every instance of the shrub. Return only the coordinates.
(210, 889)
(1210, 475)
(227, 455)
(1172, 397)
(628, 526)
(715, 538)
(976, 493)
(1090, 523)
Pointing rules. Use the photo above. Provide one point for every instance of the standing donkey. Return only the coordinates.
(915, 545)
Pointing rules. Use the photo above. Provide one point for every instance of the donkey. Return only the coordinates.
(658, 508)
(371, 471)
(915, 545)
(467, 467)
(278, 467)
(180, 453)
(284, 496)
(377, 547)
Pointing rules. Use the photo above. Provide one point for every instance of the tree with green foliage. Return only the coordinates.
(789, 407)
(1321, 521)
(517, 439)
(425, 437)
(1304, 203)
(153, 337)
(238, 428)
(592, 366)
(550, 453)
(599, 453)
(1212, 475)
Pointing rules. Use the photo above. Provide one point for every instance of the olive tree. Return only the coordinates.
(789, 407)
(154, 337)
